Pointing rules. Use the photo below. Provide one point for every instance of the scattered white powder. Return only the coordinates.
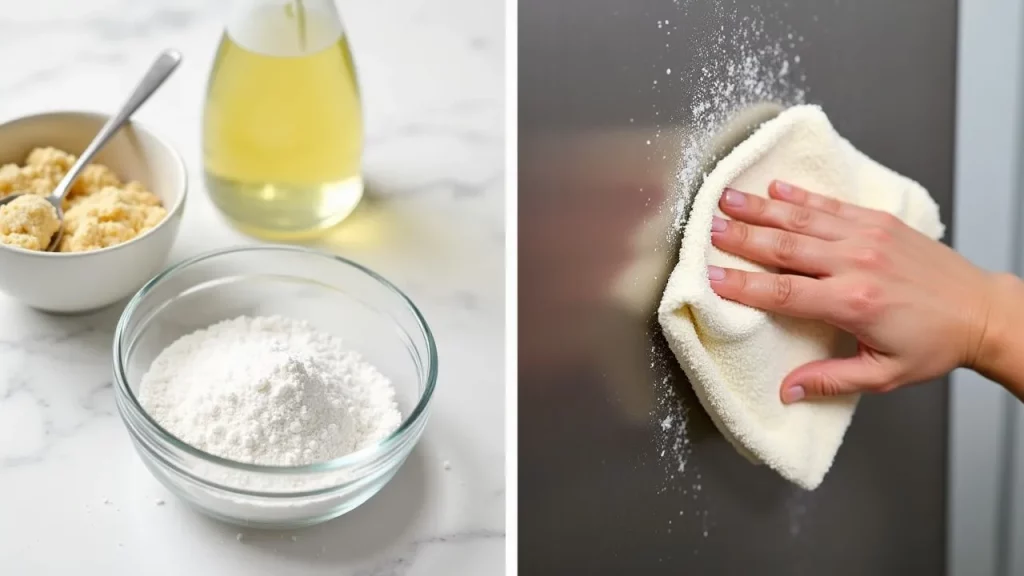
(270, 391)
(797, 505)
(736, 67)
(737, 64)
(673, 443)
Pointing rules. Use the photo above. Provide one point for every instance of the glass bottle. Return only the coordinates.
(282, 124)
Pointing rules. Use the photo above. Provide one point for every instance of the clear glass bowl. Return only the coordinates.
(334, 295)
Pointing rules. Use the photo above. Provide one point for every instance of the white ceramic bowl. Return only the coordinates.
(85, 281)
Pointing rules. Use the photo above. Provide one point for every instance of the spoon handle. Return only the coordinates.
(158, 72)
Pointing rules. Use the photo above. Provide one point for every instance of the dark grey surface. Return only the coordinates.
(595, 496)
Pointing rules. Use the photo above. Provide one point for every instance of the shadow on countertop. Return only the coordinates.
(357, 538)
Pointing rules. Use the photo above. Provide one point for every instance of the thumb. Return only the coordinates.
(836, 377)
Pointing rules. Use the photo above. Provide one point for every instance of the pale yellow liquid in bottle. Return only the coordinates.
(283, 135)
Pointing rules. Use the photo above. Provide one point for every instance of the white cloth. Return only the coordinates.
(736, 357)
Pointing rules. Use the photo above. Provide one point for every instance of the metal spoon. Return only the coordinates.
(159, 72)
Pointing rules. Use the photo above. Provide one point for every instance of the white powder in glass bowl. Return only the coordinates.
(270, 391)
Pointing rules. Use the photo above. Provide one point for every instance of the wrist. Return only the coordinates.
(998, 354)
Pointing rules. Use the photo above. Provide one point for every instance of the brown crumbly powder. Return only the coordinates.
(100, 211)
(109, 217)
(28, 222)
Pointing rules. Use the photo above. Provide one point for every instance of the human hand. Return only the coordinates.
(917, 308)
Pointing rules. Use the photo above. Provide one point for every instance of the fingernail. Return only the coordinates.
(783, 189)
(793, 394)
(718, 224)
(716, 274)
(735, 198)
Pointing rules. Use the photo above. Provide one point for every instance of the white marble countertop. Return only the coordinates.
(432, 77)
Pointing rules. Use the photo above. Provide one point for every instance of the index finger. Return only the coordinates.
(793, 194)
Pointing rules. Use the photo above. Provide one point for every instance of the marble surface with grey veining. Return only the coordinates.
(74, 497)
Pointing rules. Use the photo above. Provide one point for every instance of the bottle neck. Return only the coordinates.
(284, 27)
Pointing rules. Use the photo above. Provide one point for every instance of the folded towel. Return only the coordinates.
(735, 356)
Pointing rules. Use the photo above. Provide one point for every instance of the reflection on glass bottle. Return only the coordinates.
(282, 126)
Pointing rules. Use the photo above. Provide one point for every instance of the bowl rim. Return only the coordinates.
(361, 456)
(172, 212)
